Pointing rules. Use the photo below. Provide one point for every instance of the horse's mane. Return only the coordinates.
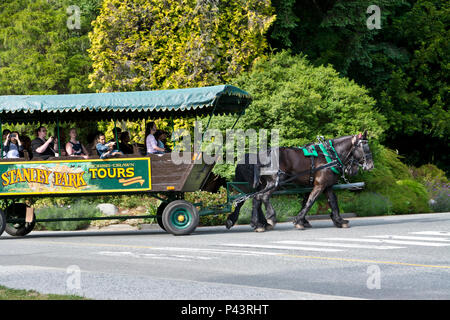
(335, 140)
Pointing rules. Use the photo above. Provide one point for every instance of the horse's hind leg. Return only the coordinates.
(232, 218)
(270, 211)
(299, 220)
(335, 216)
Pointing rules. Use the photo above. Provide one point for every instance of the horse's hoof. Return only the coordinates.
(345, 225)
(270, 224)
(299, 227)
(229, 224)
(306, 224)
(260, 229)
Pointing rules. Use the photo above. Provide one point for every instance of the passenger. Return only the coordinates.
(26, 142)
(163, 139)
(92, 143)
(105, 150)
(159, 136)
(43, 148)
(5, 134)
(124, 144)
(119, 132)
(74, 147)
(150, 141)
(62, 137)
(13, 147)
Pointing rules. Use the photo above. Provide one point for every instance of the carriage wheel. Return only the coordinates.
(180, 217)
(17, 211)
(159, 214)
(2, 221)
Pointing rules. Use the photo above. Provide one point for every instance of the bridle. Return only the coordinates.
(350, 159)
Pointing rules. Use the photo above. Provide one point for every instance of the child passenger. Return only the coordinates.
(105, 150)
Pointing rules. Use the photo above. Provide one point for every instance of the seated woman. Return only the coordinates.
(74, 147)
(13, 147)
(105, 150)
(150, 141)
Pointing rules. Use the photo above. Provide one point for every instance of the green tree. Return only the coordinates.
(145, 45)
(302, 101)
(39, 54)
(405, 64)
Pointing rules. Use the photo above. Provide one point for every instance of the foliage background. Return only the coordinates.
(313, 67)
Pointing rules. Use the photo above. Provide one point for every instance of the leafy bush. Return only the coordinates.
(441, 203)
(285, 206)
(368, 204)
(209, 199)
(79, 210)
(433, 178)
(408, 196)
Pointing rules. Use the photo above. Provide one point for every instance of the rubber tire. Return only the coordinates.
(180, 206)
(2, 222)
(22, 229)
(159, 213)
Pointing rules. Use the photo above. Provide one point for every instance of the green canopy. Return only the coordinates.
(223, 99)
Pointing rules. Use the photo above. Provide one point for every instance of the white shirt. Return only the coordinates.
(151, 143)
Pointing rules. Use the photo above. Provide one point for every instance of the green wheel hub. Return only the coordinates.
(180, 218)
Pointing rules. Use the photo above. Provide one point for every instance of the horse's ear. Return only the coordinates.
(365, 135)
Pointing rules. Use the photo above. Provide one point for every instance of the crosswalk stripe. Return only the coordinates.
(342, 245)
(262, 246)
(414, 243)
(411, 238)
(432, 233)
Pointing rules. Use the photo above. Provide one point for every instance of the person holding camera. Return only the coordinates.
(44, 148)
(13, 147)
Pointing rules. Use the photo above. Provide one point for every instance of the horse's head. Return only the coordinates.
(360, 155)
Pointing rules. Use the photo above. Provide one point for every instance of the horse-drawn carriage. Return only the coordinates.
(155, 175)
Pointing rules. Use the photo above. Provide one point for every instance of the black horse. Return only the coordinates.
(348, 153)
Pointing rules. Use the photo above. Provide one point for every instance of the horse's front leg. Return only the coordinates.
(335, 216)
(258, 221)
(232, 218)
(305, 222)
(299, 220)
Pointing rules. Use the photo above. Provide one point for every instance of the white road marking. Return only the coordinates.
(242, 245)
(414, 243)
(342, 245)
(432, 233)
(152, 256)
(217, 251)
(411, 238)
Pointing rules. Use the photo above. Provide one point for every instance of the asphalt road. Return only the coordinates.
(391, 257)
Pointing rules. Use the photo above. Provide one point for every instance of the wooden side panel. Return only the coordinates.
(167, 176)
(197, 177)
